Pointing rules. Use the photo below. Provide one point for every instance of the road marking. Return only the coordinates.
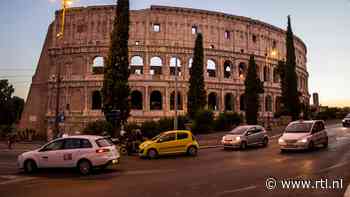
(237, 190)
(334, 166)
(17, 180)
(347, 192)
(137, 172)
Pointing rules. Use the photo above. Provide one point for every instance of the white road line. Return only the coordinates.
(237, 190)
(17, 180)
(334, 166)
(347, 192)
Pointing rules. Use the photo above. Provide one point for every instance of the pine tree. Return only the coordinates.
(253, 87)
(116, 89)
(197, 98)
(281, 70)
(291, 99)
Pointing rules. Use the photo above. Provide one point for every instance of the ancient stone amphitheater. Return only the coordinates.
(160, 36)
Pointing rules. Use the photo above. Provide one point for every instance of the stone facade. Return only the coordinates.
(158, 36)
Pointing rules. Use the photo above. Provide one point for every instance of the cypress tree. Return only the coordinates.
(197, 98)
(116, 89)
(281, 69)
(291, 99)
(253, 87)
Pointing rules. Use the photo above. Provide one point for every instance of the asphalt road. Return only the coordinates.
(214, 172)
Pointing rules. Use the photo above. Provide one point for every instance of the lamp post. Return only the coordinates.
(65, 5)
(176, 93)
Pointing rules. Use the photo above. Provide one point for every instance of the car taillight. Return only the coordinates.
(103, 150)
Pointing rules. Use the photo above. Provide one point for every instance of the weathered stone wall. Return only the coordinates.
(227, 38)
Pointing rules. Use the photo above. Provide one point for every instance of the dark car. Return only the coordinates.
(346, 121)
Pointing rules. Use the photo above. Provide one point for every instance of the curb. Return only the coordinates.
(347, 192)
(212, 146)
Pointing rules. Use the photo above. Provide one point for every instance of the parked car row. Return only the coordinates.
(87, 152)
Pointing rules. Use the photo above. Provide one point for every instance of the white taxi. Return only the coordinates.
(83, 152)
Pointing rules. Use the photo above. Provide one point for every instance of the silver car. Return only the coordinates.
(304, 135)
(346, 121)
(244, 136)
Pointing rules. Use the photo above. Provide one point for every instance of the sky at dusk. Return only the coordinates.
(324, 25)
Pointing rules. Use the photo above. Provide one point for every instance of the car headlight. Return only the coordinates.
(280, 140)
(344, 120)
(223, 138)
(303, 140)
(238, 138)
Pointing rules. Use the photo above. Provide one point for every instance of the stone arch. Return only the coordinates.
(172, 63)
(266, 73)
(278, 104)
(156, 64)
(242, 102)
(156, 100)
(229, 102)
(268, 103)
(211, 68)
(136, 100)
(96, 103)
(98, 64)
(213, 101)
(136, 65)
(242, 70)
(276, 76)
(179, 101)
(228, 68)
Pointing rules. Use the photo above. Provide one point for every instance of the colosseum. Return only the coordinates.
(160, 36)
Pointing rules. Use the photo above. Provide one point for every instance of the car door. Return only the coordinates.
(167, 143)
(251, 136)
(316, 133)
(70, 152)
(259, 134)
(183, 140)
(49, 156)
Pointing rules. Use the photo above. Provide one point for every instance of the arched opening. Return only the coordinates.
(229, 102)
(211, 68)
(228, 67)
(190, 61)
(266, 73)
(98, 65)
(175, 61)
(278, 104)
(268, 103)
(179, 101)
(136, 100)
(213, 101)
(242, 103)
(156, 102)
(136, 65)
(242, 70)
(276, 76)
(156, 66)
(96, 100)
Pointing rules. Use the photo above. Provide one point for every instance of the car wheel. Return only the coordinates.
(311, 145)
(265, 142)
(244, 145)
(192, 151)
(84, 167)
(30, 166)
(152, 153)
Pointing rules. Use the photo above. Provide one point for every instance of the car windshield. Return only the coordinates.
(299, 128)
(238, 131)
(156, 137)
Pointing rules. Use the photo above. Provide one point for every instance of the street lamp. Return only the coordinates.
(65, 5)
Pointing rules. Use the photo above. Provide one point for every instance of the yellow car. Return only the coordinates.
(170, 142)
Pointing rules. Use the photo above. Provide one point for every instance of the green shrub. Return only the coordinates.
(226, 121)
(203, 121)
(131, 127)
(99, 127)
(150, 129)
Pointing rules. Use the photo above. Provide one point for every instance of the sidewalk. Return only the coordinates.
(20, 146)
